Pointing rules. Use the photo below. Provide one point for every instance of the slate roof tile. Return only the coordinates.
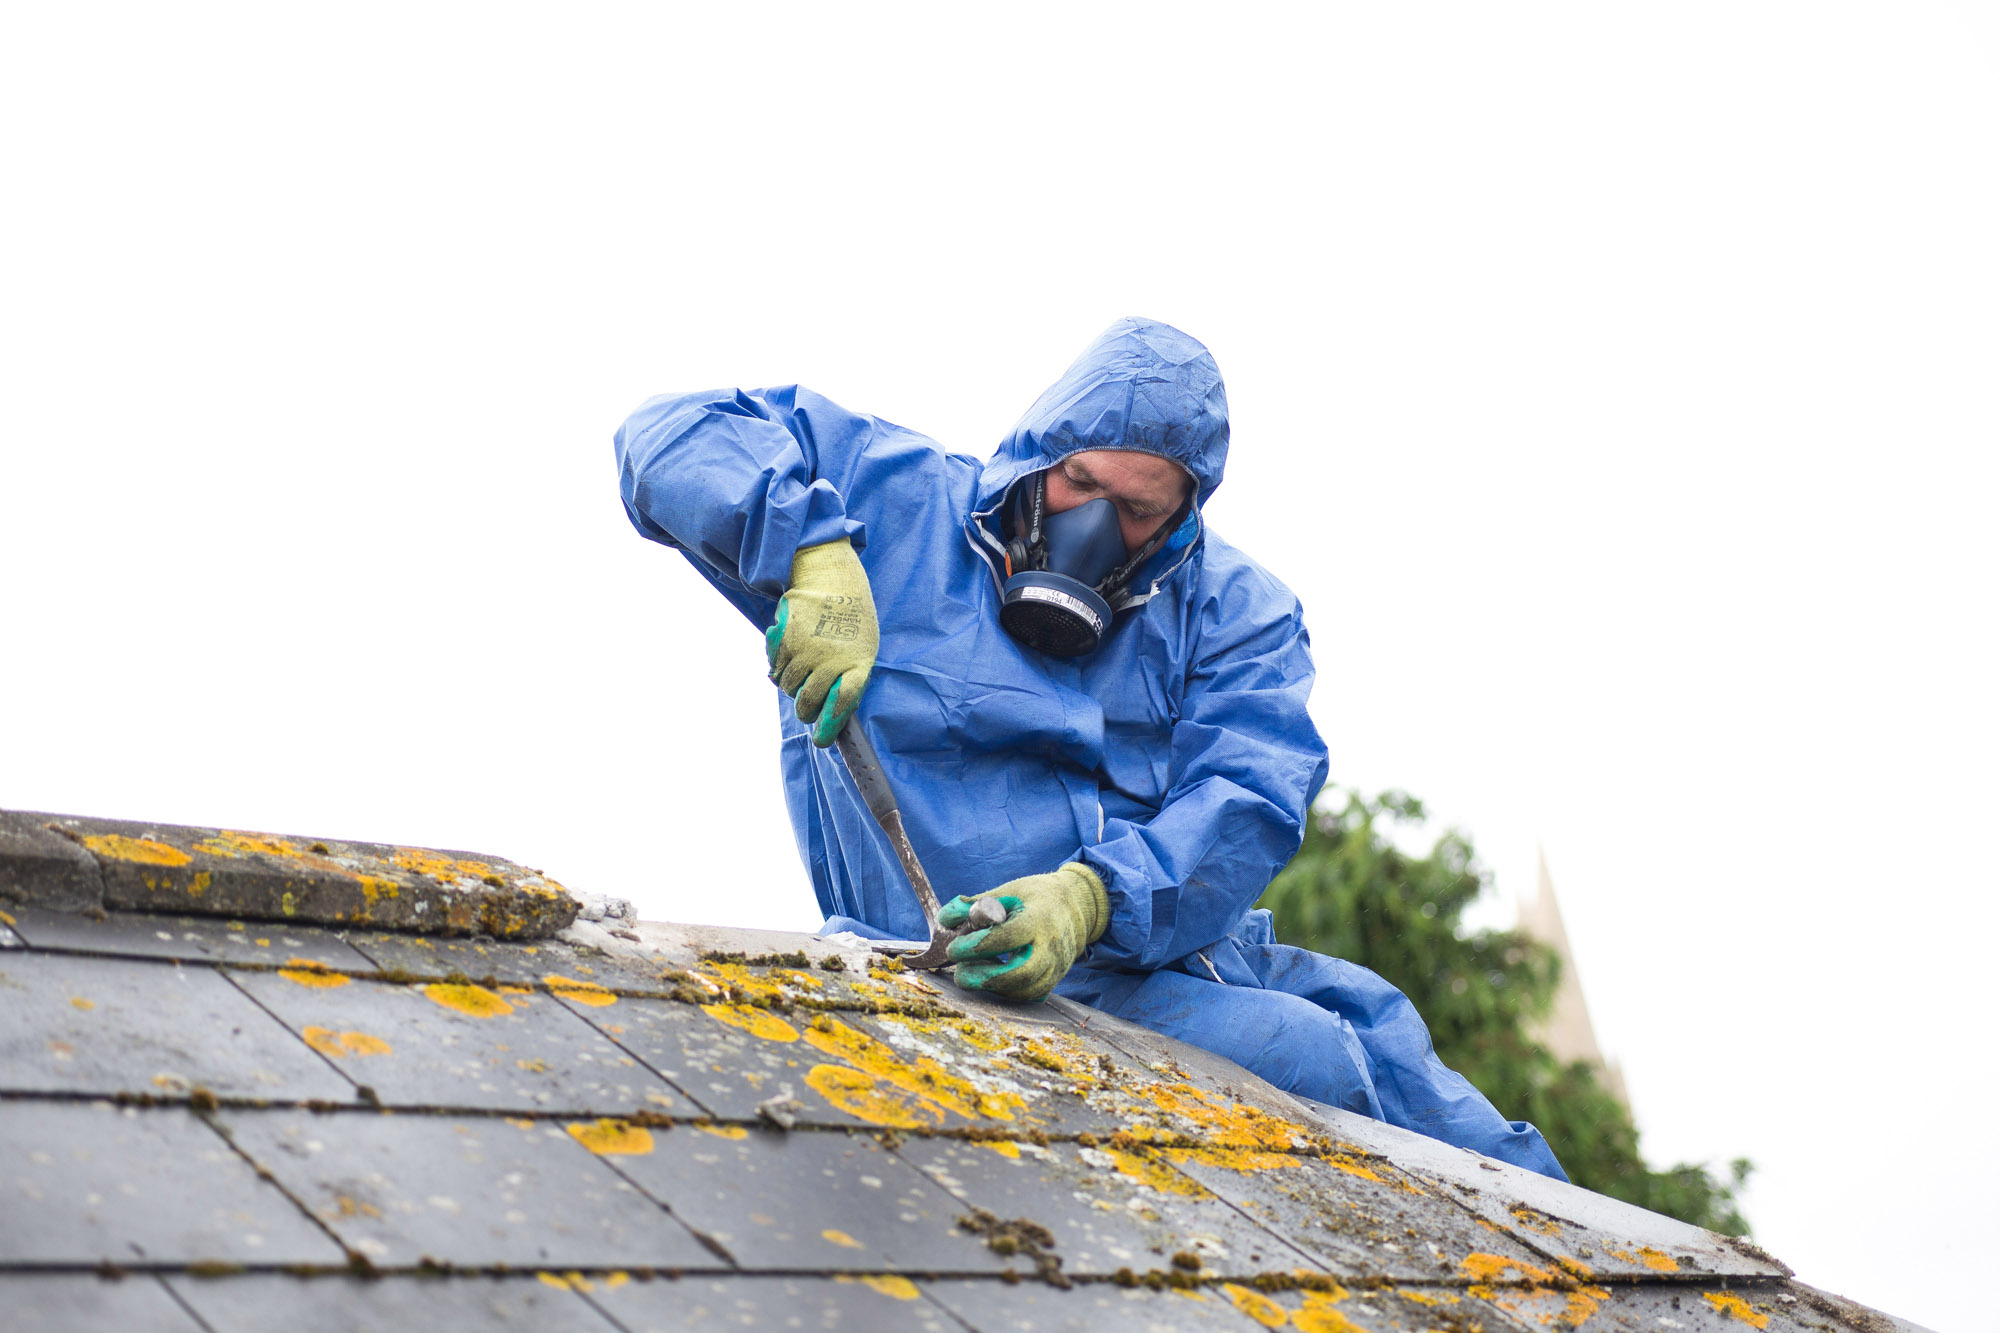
(477, 1191)
(878, 1303)
(261, 1302)
(1107, 1209)
(61, 1302)
(188, 938)
(105, 1025)
(825, 1201)
(451, 1044)
(272, 1124)
(1034, 1308)
(86, 1183)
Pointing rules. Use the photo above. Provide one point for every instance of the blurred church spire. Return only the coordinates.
(1567, 1032)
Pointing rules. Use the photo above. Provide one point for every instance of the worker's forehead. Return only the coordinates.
(1131, 472)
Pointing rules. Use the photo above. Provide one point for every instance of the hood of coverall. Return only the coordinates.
(1142, 385)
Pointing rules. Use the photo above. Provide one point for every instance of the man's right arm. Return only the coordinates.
(741, 480)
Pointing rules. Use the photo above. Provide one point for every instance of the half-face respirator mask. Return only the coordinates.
(1066, 571)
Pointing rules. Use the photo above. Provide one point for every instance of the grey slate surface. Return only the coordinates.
(89, 1182)
(1362, 1217)
(188, 938)
(104, 1025)
(1094, 1309)
(258, 1303)
(42, 866)
(808, 1201)
(465, 1190)
(88, 1303)
(451, 1044)
(849, 1304)
(371, 1140)
(1105, 1218)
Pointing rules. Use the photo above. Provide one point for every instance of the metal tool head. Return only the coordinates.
(920, 958)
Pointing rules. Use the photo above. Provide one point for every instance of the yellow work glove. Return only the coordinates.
(822, 647)
(1051, 920)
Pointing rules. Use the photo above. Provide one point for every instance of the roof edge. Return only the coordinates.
(75, 863)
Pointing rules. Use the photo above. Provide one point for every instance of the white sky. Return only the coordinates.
(1616, 385)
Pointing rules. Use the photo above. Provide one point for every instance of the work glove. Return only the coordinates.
(1051, 920)
(822, 647)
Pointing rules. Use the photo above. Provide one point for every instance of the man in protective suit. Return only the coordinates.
(1089, 706)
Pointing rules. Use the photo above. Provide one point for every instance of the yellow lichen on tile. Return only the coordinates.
(1236, 1159)
(1581, 1305)
(583, 992)
(144, 851)
(923, 1076)
(868, 1098)
(979, 1035)
(337, 1045)
(202, 879)
(725, 1131)
(472, 1001)
(757, 1022)
(1059, 1053)
(375, 888)
(570, 1281)
(613, 1138)
(77, 1001)
(1316, 1313)
(1494, 1268)
(437, 865)
(1736, 1308)
(1224, 1123)
(1158, 1175)
(739, 977)
(1001, 1146)
(230, 843)
(306, 972)
(617, 1279)
(840, 1238)
(1534, 1221)
(1255, 1304)
(898, 1288)
(1658, 1260)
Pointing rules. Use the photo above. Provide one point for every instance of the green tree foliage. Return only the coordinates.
(1352, 893)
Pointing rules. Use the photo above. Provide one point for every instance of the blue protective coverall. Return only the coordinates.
(1177, 761)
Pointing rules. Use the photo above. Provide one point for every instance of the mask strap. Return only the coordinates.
(1036, 498)
(1114, 582)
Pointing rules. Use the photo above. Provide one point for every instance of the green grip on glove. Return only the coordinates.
(1051, 920)
(823, 646)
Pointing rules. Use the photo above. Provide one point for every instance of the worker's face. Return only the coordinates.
(1146, 488)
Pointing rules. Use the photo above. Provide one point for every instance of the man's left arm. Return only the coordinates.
(1245, 764)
